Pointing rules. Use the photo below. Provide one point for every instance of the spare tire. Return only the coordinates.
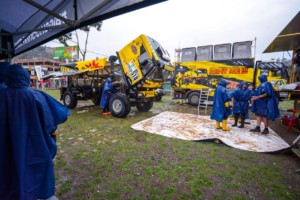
(144, 106)
(70, 100)
(119, 105)
(193, 98)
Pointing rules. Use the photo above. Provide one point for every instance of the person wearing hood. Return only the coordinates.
(28, 118)
(265, 104)
(106, 93)
(221, 110)
(3, 69)
(240, 100)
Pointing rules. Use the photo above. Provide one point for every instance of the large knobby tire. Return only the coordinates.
(193, 98)
(119, 105)
(144, 106)
(70, 100)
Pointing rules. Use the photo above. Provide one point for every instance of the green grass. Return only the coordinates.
(284, 105)
(102, 157)
(53, 93)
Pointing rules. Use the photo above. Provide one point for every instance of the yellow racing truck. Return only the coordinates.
(277, 72)
(204, 66)
(137, 71)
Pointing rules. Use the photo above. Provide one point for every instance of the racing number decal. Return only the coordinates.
(133, 71)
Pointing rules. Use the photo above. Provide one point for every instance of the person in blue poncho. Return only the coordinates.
(106, 93)
(240, 100)
(221, 110)
(265, 104)
(27, 120)
(3, 69)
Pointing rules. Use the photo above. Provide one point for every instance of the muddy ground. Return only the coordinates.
(103, 158)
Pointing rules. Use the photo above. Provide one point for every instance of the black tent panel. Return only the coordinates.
(31, 23)
(288, 39)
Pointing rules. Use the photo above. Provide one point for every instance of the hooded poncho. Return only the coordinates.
(241, 99)
(105, 96)
(267, 106)
(221, 96)
(27, 119)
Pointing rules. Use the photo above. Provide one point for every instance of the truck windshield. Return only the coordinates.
(160, 51)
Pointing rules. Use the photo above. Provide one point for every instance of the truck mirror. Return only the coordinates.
(113, 59)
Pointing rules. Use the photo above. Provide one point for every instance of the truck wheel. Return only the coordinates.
(119, 105)
(70, 100)
(144, 106)
(158, 98)
(193, 99)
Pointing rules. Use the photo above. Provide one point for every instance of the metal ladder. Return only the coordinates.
(203, 99)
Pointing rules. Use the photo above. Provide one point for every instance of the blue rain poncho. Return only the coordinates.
(27, 119)
(3, 69)
(105, 96)
(267, 106)
(221, 96)
(241, 100)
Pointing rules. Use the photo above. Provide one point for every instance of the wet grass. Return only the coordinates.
(101, 157)
(53, 93)
(284, 105)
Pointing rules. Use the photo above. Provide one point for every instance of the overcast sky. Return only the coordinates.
(191, 23)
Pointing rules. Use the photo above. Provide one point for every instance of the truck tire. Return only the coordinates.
(119, 105)
(193, 98)
(144, 106)
(157, 98)
(70, 100)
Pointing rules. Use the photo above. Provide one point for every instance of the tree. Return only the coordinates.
(69, 36)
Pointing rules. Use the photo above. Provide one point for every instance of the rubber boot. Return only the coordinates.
(224, 125)
(218, 125)
(236, 117)
(242, 123)
(256, 129)
(265, 131)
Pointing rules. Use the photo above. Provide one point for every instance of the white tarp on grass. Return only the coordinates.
(194, 127)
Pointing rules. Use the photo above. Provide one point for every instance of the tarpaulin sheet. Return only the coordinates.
(195, 127)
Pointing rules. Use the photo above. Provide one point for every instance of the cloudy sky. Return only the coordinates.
(187, 23)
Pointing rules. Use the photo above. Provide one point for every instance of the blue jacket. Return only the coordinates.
(267, 106)
(221, 96)
(2, 86)
(241, 99)
(105, 96)
(27, 119)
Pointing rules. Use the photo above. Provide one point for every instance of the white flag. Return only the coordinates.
(38, 70)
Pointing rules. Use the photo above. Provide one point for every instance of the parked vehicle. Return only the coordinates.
(143, 67)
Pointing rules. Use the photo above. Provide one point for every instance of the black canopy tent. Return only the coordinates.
(26, 24)
(288, 39)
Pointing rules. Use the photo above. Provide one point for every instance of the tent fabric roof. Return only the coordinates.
(288, 39)
(30, 23)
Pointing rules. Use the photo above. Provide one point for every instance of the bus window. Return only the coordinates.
(205, 52)
(188, 54)
(222, 51)
(241, 50)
